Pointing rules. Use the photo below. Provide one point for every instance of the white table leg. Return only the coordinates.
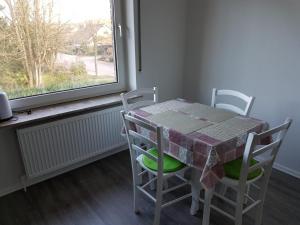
(206, 211)
(196, 188)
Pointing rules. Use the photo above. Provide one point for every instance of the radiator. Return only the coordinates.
(52, 146)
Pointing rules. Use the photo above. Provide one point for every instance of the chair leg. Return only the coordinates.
(135, 199)
(207, 202)
(135, 183)
(259, 214)
(247, 193)
(239, 209)
(262, 195)
(259, 209)
(158, 204)
(157, 213)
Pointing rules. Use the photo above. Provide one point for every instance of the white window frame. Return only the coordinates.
(86, 92)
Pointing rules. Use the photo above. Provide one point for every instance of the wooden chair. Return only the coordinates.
(154, 161)
(138, 98)
(245, 172)
(247, 99)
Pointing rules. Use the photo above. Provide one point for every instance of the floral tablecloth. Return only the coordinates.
(200, 136)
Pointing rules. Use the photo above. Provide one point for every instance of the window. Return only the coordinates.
(55, 50)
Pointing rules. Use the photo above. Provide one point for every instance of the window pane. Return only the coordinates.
(55, 45)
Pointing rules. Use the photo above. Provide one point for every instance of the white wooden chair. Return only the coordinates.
(138, 98)
(247, 99)
(159, 172)
(262, 168)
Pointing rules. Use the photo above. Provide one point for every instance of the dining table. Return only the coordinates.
(200, 136)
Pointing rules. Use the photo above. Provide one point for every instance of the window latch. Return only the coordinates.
(120, 30)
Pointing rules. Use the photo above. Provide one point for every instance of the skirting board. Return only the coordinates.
(284, 169)
(20, 186)
(11, 189)
(287, 170)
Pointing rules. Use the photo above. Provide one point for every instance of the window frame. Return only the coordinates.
(89, 91)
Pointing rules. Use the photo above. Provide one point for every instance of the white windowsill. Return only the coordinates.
(62, 110)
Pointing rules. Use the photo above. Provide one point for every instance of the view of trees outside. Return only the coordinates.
(53, 45)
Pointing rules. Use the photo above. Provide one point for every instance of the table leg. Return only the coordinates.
(196, 188)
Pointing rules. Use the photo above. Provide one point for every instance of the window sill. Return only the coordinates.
(62, 110)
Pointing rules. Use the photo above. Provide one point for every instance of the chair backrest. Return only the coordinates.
(137, 98)
(242, 111)
(131, 124)
(266, 154)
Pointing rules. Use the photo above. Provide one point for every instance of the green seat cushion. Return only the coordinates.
(233, 169)
(170, 164)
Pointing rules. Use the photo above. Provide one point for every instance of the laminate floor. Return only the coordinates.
(101, 194)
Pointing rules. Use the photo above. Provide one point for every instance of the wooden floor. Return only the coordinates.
(101, 194)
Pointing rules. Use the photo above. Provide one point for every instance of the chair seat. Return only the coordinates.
(233, 169)
(170, 164)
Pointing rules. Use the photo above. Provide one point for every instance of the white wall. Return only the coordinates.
(11, 167)
(163, 28)
(251, 46)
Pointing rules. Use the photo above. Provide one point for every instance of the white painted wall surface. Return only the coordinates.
(163, 31)
(254, 47)
(11, 166)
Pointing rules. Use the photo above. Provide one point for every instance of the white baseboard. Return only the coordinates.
(19, 185)
(287, 170)
(284, 169)
(8, 190)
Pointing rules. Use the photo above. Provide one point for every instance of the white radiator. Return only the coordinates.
(49, 147)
